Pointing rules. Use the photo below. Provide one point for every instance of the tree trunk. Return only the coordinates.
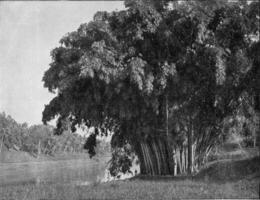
(155, 157)
(190, 153)
(2, 142)
(180, 160)
(186, 158)
(257, 108)
(39, 149)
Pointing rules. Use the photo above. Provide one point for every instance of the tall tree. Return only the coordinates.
(126, 71)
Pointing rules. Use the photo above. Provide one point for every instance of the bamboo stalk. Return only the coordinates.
(149, 159)
(157, 157)
(144, 157)
(190, 154)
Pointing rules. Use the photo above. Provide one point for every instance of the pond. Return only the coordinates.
(61, 171)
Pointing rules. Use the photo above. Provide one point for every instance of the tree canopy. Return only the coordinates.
(132, 71)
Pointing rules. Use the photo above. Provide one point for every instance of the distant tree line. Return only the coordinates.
(36, 139)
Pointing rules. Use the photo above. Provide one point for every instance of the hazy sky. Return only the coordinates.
(29, 30)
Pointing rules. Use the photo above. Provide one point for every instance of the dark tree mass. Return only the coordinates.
(161, 75)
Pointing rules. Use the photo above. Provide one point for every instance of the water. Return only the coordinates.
(63, 171)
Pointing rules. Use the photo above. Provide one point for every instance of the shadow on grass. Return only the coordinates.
(221, 171)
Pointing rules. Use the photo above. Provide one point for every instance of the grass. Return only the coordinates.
(226, 170)
(226, 179)
(135, 189)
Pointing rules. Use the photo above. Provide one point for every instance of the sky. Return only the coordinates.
(29, 30)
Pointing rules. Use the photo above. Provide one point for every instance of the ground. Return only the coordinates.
(136, 189)
(227, 178)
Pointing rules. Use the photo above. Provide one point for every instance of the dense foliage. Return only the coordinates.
(161, 75)
(36, 139)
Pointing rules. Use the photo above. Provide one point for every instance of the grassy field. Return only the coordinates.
(136, 189)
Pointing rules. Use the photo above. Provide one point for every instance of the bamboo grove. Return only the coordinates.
(161, 75)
